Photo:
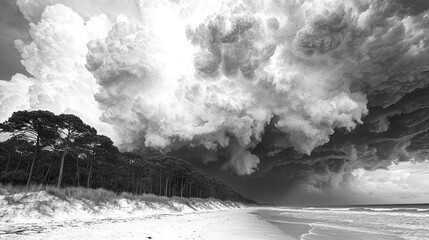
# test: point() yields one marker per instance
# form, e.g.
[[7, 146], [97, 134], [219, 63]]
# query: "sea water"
[[378, 222]]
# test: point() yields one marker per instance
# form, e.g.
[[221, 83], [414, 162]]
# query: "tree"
[[45, 137], [70, 129], [37, 127], [95, 147], [16, 151], [6, 154]]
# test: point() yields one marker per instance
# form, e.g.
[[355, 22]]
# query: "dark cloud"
[[12, 26], [292, 96], [399, 132]]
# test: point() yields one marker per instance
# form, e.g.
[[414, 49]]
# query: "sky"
[[288, 101]]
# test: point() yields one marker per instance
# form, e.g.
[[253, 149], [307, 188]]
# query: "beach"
[[219, 224], [245, 223], [50, 215]]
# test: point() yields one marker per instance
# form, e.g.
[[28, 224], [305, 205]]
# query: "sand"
[[41, 215], [234, 224]]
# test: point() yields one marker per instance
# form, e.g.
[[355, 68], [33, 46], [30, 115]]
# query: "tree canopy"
[[45, 148], [36, 127]]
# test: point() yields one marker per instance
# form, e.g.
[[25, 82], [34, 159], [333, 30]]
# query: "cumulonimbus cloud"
[[223, 77], [56, 57], [167, 74]]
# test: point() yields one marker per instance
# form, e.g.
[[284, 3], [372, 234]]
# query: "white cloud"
[[215, 73], [208, 80], [55, 57], [401, 183]]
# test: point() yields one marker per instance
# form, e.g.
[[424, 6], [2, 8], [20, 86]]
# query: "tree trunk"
[[88, 181], [60, 176], [160, 184], [34, 162], [47, 173], [136, 182], [173, 189], [77, 171], [166, 187], [7, 165], [101, 182], [16, 169], [128, 180], [28, 166], [182, 187], [8, 160]]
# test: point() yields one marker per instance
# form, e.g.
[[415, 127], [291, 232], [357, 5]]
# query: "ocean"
[[369, 222]]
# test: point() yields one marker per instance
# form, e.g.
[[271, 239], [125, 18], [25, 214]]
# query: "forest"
[[62, 151]]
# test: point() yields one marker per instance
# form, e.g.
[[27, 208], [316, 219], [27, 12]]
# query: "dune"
[[71, 214]]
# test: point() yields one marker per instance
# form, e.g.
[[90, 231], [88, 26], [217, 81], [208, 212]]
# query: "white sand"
[[40, 215], [235, 224]]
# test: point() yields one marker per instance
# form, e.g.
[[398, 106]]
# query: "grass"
[[13, 189], [93, 198], [145, 197], [71, 203], [22, 200], [96, 196]]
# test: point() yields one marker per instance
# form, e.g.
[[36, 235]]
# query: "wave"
[[391, 209], [370, 209], [355, 222], [405, 212]]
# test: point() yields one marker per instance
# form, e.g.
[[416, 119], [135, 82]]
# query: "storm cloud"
[[311, 91]]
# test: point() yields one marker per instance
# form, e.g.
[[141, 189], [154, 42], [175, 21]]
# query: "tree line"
[[62, 150]]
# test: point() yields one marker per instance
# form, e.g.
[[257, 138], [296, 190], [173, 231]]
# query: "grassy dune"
[[47, 203]]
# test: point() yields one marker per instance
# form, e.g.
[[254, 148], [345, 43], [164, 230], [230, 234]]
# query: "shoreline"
[[294, 231], [306, 227]]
